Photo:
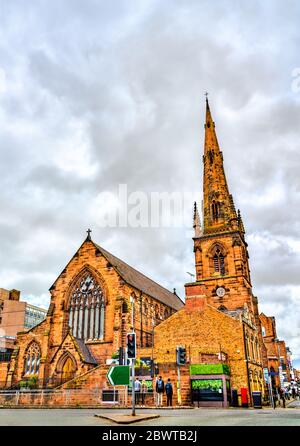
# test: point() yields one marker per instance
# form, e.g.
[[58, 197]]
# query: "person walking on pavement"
[[144, 390], [169, 392], [137, 390], [286, 394], [160, 387], [155, 392], [282, 397]]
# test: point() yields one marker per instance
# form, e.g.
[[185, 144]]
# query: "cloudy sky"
[[94, 94]]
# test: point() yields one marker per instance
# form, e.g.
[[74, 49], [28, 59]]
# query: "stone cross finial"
[[89, 234]]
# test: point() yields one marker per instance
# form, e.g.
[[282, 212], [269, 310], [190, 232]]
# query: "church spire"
[[219, 212], [211, 141]]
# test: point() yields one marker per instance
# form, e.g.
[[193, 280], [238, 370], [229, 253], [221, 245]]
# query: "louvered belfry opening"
[[215, 207], [87, 310], [219, 262]]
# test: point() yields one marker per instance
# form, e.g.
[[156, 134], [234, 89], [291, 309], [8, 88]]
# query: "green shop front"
[[210, 385]]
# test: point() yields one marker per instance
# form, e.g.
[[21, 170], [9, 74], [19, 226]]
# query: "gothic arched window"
[[32, 359], [86, 308], [219, 262]]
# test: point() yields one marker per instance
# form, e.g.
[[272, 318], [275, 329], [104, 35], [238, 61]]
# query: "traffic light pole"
[[179, 390], [133, 389], [180, 360]]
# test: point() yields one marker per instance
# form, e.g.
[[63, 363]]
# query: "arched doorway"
[[68, 370], [65, 368]]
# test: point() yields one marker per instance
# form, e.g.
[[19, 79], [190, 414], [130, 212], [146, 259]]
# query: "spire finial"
[[206, 98], [89, 234]]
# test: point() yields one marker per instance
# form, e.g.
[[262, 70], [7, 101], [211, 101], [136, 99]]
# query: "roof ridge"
[[127, 264], [111, 257]]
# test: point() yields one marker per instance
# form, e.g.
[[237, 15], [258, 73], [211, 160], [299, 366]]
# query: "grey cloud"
[[128, 78]]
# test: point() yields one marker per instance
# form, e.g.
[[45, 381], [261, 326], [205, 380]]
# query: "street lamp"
[[132, 360], [279, 366]]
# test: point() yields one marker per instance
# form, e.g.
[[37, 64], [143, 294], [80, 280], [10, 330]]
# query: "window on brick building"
[[32, 359], [86, 310]]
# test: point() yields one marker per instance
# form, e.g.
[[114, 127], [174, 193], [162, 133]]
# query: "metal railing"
[[95, 397]]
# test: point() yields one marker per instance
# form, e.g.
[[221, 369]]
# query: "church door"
[[68, 370]]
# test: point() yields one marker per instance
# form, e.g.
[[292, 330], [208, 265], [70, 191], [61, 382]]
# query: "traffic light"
[[180, 355], [131, 345]]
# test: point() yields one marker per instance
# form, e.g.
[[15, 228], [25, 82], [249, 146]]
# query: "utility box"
[[257, 400]]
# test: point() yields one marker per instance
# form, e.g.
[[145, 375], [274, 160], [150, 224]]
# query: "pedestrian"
[[144, 391], [160, 387], [286, 393], [293, 392], [169, 392], [155, 392], [137, 390], [282, 397]]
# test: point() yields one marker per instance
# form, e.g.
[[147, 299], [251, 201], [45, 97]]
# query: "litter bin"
[[257, 402]]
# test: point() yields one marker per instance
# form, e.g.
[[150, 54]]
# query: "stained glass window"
[[32, 359], [86, 317]]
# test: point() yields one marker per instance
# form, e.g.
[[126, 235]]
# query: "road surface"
[[175, 417]]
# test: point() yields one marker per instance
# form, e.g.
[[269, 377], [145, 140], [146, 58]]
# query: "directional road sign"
[[118, 375]]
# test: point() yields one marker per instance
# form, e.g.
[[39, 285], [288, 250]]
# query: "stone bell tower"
[[221, 255]]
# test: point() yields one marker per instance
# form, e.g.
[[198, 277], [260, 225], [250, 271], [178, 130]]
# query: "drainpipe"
[[141, 319]]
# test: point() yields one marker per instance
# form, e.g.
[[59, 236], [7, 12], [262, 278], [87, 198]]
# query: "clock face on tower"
[[220, 291]]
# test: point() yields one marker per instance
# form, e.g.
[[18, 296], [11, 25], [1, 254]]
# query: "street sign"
[[118, 375]]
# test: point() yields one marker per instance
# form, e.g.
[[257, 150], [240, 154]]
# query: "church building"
[[88, 318], [219, 326]]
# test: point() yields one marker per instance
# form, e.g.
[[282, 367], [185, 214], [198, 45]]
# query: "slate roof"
[[142, 282], [85, 351]]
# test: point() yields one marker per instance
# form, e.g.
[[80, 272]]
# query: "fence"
[[108, 397]]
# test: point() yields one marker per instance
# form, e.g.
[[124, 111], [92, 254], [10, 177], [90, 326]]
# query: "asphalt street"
[[176, 417]]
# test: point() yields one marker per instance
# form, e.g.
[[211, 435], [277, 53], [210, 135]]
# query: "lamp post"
[[153, 325], [152, 361], [132, 360], [279, 366]]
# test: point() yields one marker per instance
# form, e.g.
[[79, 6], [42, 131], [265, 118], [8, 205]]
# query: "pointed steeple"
[[219, 212], [196, 222], [211, 141]]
